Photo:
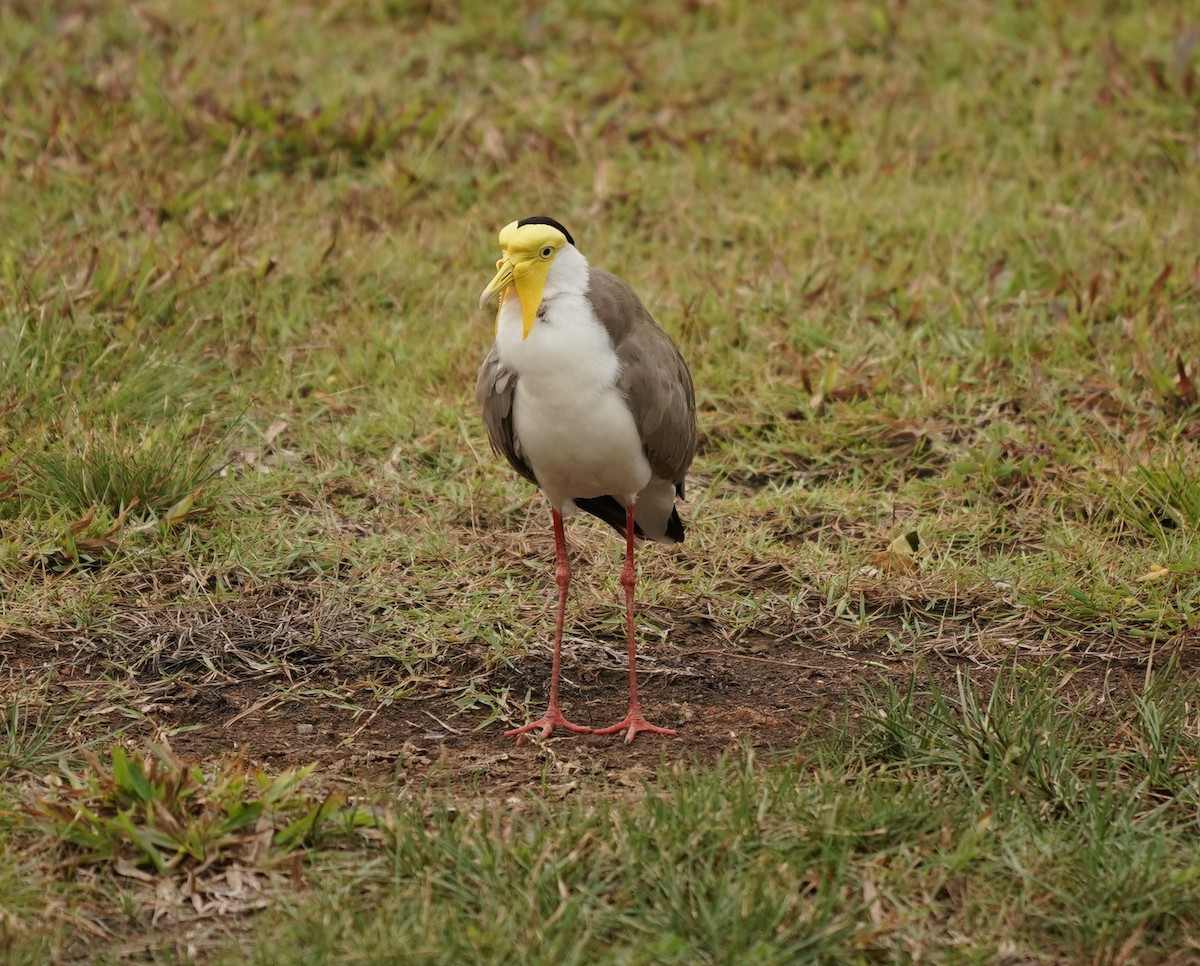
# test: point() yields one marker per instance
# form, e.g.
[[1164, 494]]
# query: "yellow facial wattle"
[[528, 252], [529, 279]]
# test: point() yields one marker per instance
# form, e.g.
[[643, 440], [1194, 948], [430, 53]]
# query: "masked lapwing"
[[590, 400]]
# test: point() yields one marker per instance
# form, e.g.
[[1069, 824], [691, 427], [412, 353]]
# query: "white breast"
[[572, 423]]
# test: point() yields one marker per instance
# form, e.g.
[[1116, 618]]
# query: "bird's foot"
[[635, 724], [553, 718]]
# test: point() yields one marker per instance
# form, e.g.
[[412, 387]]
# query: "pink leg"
[[562, 576], [633, 721]]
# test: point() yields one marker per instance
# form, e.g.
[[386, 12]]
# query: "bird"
[[588, 399]]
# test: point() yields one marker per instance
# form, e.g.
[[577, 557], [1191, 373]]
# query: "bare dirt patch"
[[283, 677]]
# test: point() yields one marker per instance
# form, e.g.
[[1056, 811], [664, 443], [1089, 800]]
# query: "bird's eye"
[[547, 252]]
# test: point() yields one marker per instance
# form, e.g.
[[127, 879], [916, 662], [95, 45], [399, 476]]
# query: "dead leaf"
[[493, 141], [1156, 287], [274, 430], [77, 527], [891, 562], [128, 869], [96, 544], [259, 843], [1129, 948], [334, 402], [871, 898], [600, 186], [1187, 388], [898, 558]]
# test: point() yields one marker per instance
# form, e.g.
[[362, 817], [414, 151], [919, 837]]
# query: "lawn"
[[268, 601]]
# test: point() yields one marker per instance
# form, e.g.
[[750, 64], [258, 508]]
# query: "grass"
[[933, 269], [982, 823], [155, 811], [1018, 820]]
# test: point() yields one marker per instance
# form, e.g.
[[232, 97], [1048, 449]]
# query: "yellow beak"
[[503, 279], [528, 277]]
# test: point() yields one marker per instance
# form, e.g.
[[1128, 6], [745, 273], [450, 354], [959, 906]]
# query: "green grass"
[[158, 813], [1026, 818], [934, 269], [969, 825]]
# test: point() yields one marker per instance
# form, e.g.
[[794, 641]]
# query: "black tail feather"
[[610, 510], [675, 526]]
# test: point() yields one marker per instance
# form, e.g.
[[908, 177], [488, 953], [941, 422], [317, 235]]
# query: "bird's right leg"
[[633, 723], [562, 576]]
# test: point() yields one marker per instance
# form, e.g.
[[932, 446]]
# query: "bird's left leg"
[[633, 721], [562, 576]]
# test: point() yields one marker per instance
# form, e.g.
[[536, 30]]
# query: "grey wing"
[[654, 378], [494, 391], [656, 381]]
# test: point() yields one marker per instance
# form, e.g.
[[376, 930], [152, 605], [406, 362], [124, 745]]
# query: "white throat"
[[566, 340]]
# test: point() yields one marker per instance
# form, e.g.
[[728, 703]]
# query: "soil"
[[717, 702], [252, 677]]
